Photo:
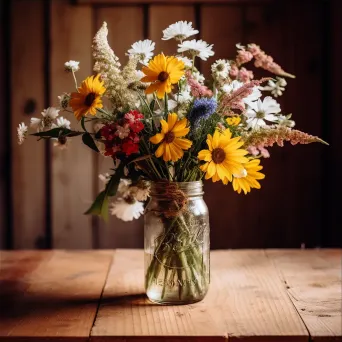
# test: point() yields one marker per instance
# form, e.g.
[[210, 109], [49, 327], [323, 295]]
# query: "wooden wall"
[[50, 189]]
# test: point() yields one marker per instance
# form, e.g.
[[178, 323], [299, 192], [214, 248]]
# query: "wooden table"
[[255, 295]]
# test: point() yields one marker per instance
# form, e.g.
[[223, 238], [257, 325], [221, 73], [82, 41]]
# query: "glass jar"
[[177, 244]]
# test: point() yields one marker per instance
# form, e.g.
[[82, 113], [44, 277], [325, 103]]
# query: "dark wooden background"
[[43, 191]]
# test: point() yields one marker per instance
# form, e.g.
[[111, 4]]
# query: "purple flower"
[[202, 109]]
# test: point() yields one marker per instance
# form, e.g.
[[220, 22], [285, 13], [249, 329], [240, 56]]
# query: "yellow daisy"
[[247, 179], [162, 72], [224, 156], [88, 97], [170, 137], [233, 120]]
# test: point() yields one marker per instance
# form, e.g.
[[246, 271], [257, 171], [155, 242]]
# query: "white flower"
[[104, 178], [122, 131], [239, 46], [276, 88], [187, 61], [229, 88], [61, 123], [49, 115], [184, 96], [139, 75], [198, 48], [220, 69], [125, 210], [180, 30], [198, 77], [171, 104], [72, 66], [62, 142], [260, 111], [123, 187], [242, 174], [143, 49], [22, 131], [64, 100], [285, 121], [235, 85]]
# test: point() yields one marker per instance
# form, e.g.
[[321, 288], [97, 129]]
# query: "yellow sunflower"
[[170, 137], [162, 72], [88, 97], [247, 179], [224, 156], [233, 120]]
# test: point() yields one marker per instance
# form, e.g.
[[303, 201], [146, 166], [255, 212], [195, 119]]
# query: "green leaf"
[[82, 124], [152, 104], [100, 205], [89, 141], [53, 133]]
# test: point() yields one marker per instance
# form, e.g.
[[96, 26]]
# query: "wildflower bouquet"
[[160, 121]]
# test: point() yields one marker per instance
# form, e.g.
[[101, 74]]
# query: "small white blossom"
[[72, 66], [259, 111], [187, 61], [122, 132], [197, 76], [180, 30], [143, 49], [61, 123], [235, 85], [184, 96], [242, 174], [220, 69], [48, 116], [198, 48], [276, 88], [64, 100], [104, 178], [62, 142], [127, 210], [239, 46], [285, 121], [22, 131]]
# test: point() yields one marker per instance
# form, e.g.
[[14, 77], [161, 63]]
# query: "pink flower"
[[197, 89], [243, 57], [234, 71], [245, 75]]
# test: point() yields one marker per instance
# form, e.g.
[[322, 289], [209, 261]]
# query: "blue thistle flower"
[[202, 109]]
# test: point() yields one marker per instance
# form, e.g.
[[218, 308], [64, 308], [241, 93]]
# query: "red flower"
[[137, 126], [129, 147]]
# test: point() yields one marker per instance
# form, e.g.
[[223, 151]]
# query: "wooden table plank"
[[246, 302], [313, 281], [52, 295]]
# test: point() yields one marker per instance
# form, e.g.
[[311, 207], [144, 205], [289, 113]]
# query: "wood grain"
[[72, 169], [50, 295], [246, 302], [162, 2], [116, 233], [313, 282], [27, 100]]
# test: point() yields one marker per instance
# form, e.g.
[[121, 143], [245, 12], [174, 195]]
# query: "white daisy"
[[276, 88], [61, 123], [72, 66], [220, 69], [180, 30], [143, 49], [230, 87], [22, 131], [198, 48], [64, 100], [259, 111], [127, 210], [122, 132]]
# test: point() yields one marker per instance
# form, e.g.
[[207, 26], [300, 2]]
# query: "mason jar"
[[177, 244]]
